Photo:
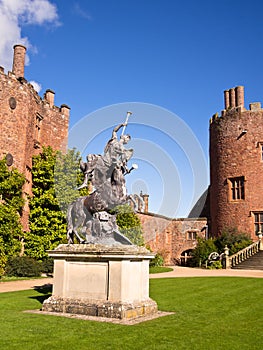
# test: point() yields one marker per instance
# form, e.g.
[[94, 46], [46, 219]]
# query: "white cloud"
[[36, 85], [80, 12], [16, 13]]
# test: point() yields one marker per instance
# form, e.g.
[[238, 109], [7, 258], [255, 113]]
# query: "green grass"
[[210, 314], [160, 269], [13, 278]]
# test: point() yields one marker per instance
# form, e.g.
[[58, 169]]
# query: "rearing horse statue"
[[90, 216]]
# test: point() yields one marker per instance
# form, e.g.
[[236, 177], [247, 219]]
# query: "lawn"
[[160, 269], [210, 313]]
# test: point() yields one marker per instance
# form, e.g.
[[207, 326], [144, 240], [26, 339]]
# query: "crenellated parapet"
[[236, 160], [234, 104], [28, 121]]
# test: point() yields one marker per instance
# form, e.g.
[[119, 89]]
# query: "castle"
[[28, 122], [236, 164]]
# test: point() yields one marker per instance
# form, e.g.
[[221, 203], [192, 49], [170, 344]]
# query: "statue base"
[[99, 280]]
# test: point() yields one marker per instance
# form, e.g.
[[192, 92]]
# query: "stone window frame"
[[261, 151], [260, 146], [236, 186], [191, 235], [258, 221], [37, 131]]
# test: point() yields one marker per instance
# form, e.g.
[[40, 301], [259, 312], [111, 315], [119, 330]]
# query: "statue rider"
[[88, 168]]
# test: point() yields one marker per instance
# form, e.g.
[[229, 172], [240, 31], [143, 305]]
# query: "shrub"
[[129, 224], [157, 260], [234, 239], [23, 267], [202, 251], [48, 265], [215, 265]]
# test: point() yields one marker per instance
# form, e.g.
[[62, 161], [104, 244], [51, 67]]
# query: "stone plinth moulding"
[[99, 280]]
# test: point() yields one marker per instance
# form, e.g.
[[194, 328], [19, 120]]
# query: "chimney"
[[226, 96], [19, 61], [49, 97], [65, 110], [240, 96], [232, 99], [145, 198]]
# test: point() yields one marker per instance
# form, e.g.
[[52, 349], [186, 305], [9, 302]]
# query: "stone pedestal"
[[98, 280]]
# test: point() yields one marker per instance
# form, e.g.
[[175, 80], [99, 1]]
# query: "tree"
[[11, 184], [202, 251], [55, 179], [11, 204], [67, 177], [129, 224]]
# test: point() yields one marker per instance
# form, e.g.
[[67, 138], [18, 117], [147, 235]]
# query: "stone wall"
[[171, 237], [27, 121], [236, 139]]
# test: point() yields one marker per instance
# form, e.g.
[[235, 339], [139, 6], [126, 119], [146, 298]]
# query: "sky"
[[168, 61]]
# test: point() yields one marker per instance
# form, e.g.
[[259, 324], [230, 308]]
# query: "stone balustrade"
[[244, 254]]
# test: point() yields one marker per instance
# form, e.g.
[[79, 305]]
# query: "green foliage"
[[67, 177], [231, 237], [47, 222], [55, 179], [47, 265], [11, 203], [215, 265], [157, 260], [11, 183], [23, 267], [234, 239], [129, 224], [10, 229], [3, 257], [202, 251]]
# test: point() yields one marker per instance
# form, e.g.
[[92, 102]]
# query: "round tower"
[[236, 166]]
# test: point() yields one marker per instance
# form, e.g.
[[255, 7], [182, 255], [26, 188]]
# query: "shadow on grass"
[[45, 291]]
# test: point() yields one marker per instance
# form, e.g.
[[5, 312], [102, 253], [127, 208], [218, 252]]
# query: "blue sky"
[[176, 55]]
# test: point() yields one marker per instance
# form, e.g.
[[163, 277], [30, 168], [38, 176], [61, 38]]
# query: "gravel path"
[[23, 285], [178, 271]]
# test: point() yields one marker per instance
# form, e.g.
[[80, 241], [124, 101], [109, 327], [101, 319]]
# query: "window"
[[260, 146], [258, 222], [237, 188], [191, 235], [38, 121], [37, 126]]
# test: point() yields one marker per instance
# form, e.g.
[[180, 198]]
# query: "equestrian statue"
[[90, 218]]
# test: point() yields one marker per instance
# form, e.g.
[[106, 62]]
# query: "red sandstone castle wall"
[[170, 237], [27, 121], [235, 150]]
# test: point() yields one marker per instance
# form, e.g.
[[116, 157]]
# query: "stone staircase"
[[249, 258], [254, 262]]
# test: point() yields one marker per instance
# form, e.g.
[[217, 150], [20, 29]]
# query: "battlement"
[[234, 104], [17, 76]]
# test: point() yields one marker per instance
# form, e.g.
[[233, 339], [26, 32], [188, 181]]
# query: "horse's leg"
[[70, 236], [80, 239], [79, 222], [70, 233]]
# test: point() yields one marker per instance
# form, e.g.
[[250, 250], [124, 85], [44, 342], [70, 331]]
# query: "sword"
[[126, 121]]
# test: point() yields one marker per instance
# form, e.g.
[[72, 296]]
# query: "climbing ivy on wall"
[[11, 204]]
